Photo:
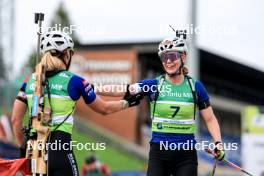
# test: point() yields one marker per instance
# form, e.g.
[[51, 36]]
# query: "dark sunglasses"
[[172, 56]]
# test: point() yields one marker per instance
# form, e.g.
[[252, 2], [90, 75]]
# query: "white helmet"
[[172, 44], [55, 40]]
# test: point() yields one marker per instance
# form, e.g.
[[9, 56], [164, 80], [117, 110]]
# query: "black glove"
[[219, 151], [23, 149], [134, 99]]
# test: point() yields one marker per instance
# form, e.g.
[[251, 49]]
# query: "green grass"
[[116, 160]]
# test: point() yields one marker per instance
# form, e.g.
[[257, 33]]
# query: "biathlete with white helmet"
[[174, 98], [63, 90]]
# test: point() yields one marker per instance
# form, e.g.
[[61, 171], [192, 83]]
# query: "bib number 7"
[[177, 108]]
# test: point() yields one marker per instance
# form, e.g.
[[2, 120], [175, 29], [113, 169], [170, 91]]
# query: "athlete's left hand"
[[219, 151]]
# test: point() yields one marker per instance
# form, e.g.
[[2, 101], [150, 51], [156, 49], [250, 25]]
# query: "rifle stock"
[[36, 147], [38, 130]]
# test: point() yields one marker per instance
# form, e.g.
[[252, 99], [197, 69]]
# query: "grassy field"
[[116, 160]]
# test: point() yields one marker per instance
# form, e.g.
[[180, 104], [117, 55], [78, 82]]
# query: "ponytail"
[[51, 62], [185, 70]]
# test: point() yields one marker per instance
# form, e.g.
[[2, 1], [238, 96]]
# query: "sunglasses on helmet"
[[172, 56]]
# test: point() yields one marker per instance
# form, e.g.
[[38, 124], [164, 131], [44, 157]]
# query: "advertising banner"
[[253, 140]]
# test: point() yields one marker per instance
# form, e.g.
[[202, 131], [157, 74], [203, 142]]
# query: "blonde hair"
[[185, 70], [51, 62]]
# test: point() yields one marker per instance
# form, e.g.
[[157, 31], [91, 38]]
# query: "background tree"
[[2, 66], [61, 18]]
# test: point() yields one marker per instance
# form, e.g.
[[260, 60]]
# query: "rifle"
[[38, 129]]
